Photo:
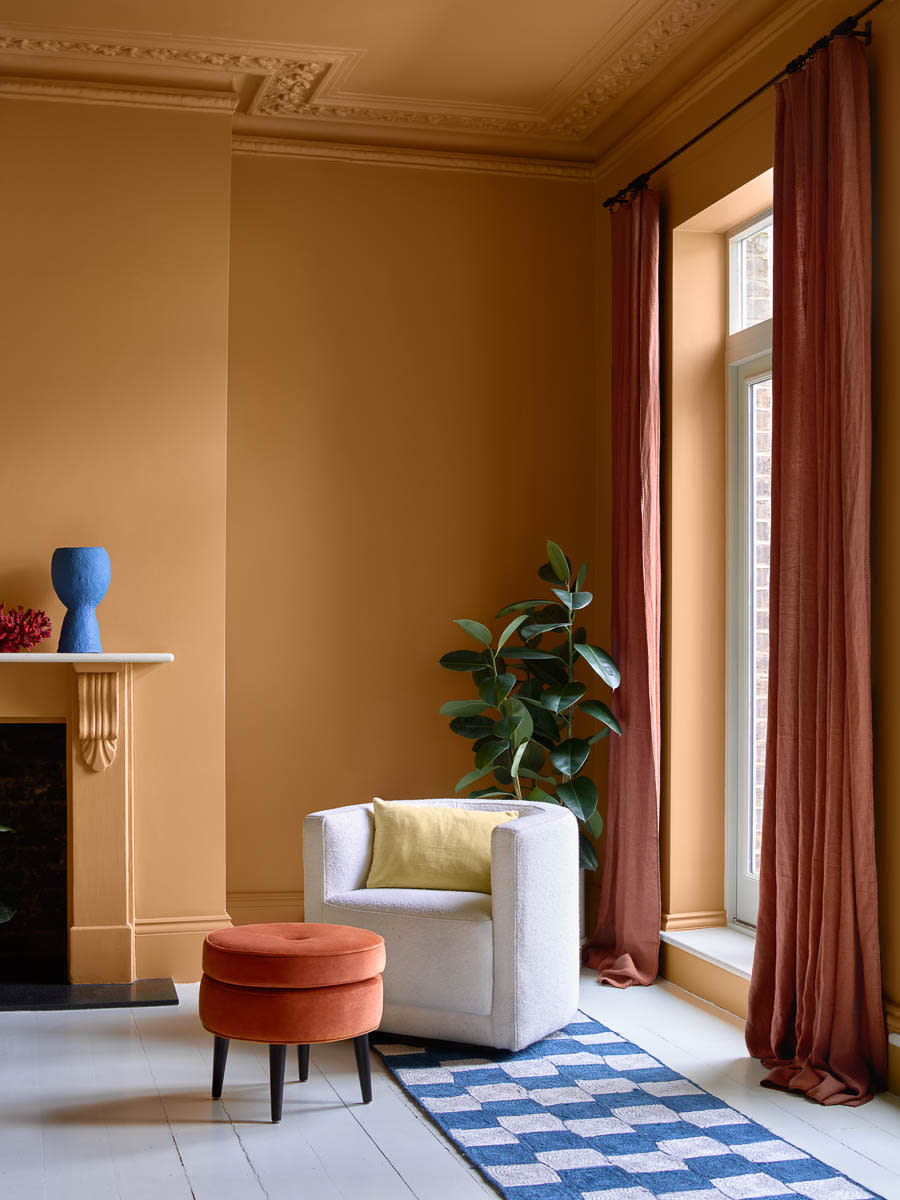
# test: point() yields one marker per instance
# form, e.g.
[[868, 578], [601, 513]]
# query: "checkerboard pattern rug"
[[587, 1115]]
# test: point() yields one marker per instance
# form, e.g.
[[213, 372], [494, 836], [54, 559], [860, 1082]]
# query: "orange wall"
[[411, 415], [738, 151], [114, 310]]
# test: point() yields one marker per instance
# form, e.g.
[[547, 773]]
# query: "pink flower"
[[22, 629]]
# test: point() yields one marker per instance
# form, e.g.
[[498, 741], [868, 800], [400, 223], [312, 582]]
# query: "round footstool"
[[291, 984]]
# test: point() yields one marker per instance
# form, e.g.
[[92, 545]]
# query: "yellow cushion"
[[433, 846]]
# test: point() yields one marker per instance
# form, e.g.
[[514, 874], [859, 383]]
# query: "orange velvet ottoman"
[[291, 984]]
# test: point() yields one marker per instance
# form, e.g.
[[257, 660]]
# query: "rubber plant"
[[528, 724], [7, 910]]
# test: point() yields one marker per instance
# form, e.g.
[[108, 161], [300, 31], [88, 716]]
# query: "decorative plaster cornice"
[[117, 93], [706, 82], [394, 156], [307, 83], [582, 114]]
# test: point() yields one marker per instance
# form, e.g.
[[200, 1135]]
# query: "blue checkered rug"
[[587, 1115]]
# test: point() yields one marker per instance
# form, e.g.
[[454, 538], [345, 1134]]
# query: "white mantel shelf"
[[123, 656]]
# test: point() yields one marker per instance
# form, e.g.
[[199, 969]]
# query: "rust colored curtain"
[[815, 1015], [625, 946]]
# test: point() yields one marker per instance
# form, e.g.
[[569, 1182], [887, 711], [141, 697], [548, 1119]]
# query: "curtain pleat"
[[815, 1010], [625, 947]]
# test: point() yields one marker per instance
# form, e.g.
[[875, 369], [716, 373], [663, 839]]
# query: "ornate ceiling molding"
[[307, 83], [114, 93], [582, 114], [393, 156]]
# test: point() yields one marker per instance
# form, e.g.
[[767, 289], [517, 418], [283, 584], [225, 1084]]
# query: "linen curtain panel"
[[625, 946], [815, 1015]]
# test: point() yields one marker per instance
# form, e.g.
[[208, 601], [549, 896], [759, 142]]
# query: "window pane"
[[761, 418], [751, 273]]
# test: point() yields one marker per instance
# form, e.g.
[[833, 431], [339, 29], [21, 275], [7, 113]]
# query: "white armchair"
[[495, 970]]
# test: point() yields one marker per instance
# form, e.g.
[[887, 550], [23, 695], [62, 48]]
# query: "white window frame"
[[748, 360], [735, 275]]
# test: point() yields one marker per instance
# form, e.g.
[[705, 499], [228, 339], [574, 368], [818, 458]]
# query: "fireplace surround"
[[94, 695]]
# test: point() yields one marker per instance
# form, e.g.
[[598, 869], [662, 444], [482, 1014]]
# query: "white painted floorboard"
[[114, 1105]]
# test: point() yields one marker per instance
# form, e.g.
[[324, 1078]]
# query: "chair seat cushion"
[[293, 954], [441, 944]]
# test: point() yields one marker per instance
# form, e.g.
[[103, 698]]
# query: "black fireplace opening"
[[33, 857]]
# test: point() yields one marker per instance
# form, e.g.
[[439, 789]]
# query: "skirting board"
[[173, 945], [256, 908]]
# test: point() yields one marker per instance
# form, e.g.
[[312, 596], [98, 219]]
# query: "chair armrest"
[[535, 883], [337, 854]]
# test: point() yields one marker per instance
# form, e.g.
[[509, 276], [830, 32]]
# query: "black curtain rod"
[[846, 28]]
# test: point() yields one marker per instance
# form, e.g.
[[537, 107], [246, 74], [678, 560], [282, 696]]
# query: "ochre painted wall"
[[114, 316], [735, 153], [411, 414]]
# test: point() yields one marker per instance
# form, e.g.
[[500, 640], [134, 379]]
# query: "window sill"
[[726, 946]]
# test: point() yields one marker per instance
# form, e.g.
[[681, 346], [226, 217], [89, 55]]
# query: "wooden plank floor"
[[115, 1104]]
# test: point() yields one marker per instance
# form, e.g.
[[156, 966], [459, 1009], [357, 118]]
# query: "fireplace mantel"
[[97, 704], [116, 656]]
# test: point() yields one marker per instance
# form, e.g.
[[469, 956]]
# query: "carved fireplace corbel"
[[98, 717]]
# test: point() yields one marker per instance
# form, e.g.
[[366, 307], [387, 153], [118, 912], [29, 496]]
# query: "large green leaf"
[[598, 737], [600, 712], [463, 708], [594, 825], [534, 758], [463, 660], [471, 777], [519, 606], [495, 689], [490, 794], [580, 796], [6, 829], [580, 577], [587, 855], [526, 774], [599, 661], [510, 630], [553, 673], [573, 600], [490, 749], [519, 716], [544, 722], [539, 796], [7, 912], [517, 759], [472, 727], [479, 632], [526, 653], [531, 631], [570, 756], [562, 568], [559, 699]]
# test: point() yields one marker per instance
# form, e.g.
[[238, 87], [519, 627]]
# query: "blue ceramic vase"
[[80, 576]]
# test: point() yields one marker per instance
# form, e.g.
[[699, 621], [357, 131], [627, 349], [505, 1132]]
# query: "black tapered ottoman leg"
[[303, 1062], [361, 1046], [277, 1056], [220, 1053]]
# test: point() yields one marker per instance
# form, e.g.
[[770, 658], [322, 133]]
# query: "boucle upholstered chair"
[[494, 970]]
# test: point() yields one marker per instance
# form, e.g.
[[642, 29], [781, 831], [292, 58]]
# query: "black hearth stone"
[[52, 997]]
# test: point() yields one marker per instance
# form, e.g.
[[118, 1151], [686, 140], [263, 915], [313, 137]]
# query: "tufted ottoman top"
[[292, 954]]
